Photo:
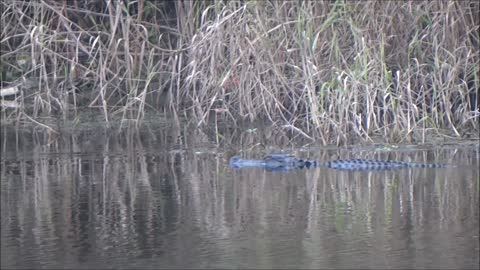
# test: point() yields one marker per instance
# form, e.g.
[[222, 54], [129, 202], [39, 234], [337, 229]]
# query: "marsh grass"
[[334, 71]]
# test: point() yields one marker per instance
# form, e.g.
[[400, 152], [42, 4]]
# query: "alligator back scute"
[[307, 164]]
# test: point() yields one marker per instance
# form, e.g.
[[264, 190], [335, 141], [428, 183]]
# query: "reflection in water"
[[152, 200]]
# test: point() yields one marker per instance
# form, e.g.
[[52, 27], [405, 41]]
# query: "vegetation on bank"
[[335, 71]]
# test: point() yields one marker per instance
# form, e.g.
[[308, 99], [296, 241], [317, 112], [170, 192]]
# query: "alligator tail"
[[427, 165], [364, 164]]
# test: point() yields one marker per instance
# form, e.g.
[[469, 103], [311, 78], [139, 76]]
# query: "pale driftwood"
[[9, 91], [9, 104]]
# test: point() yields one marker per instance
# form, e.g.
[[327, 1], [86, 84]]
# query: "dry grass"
[[337, 72]]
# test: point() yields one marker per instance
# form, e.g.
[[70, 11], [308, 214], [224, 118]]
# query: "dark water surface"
[[167, 199]]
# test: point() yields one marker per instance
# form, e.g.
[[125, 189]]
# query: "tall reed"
[[336, 71]]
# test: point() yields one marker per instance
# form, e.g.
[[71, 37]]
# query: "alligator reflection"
[[137, 200]]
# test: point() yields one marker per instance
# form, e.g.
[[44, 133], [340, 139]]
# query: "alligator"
[[285, 162]]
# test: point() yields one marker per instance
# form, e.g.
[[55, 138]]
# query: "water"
[[167, 199]]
